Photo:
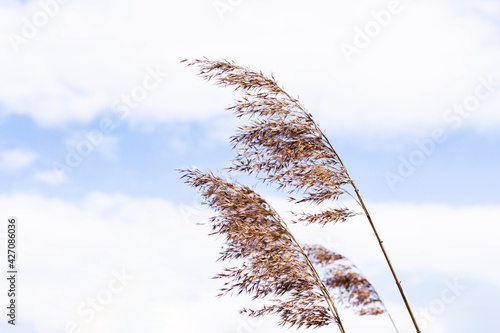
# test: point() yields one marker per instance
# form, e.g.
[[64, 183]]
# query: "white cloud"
[[50, 177], [71, 252], [449, 240], [80, 63], [16, 159]]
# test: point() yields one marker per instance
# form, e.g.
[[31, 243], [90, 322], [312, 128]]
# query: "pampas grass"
[[282, 145]]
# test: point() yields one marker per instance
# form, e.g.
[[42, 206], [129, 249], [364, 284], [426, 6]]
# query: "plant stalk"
[[324, 290], [380, 242], [363, 206], [322, 287]]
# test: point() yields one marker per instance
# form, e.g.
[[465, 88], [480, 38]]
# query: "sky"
[[97, 112]]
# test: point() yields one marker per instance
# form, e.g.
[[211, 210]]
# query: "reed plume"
[[273, 265], [283, 145], [341, 275]]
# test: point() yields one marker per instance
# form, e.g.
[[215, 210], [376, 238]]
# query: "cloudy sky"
[[97, 112]]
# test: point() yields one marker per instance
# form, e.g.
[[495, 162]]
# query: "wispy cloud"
[[16, 159], [50, 177]]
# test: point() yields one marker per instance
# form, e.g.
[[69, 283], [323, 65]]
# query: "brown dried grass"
[[343, 277], [273, 264], [284, 146]]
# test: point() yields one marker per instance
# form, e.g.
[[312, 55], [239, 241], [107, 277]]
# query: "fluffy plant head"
[[342, 277], [273, 265], [281, 144]]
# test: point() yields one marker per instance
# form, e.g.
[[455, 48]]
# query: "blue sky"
[[97, 112], [459, 171]]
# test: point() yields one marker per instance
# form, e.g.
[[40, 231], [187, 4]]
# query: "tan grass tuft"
[[283, 145], [273, 264], [343, 277]]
